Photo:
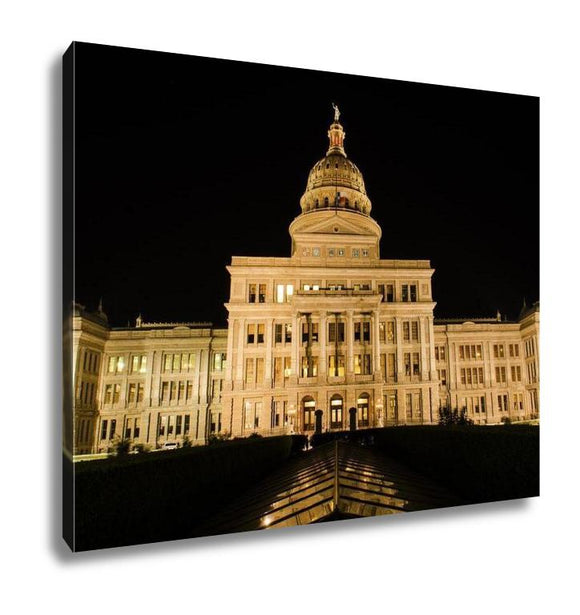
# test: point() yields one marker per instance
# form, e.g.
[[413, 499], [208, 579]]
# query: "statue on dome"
[[336, 112]]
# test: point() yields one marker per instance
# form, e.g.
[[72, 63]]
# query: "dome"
[[335, 181]]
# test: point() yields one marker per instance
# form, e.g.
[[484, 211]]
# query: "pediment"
[[337, 226]]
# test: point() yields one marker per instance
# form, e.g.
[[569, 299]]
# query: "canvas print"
[[291, 296]]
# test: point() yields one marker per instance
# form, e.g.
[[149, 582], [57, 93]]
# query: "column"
[[376, 344], [322, 358], [424, 340], [269, 346], [399, 356], [239, 370], [349, 344], [296, 336]]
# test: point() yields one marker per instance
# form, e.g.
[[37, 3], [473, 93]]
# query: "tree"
[[448, 417]]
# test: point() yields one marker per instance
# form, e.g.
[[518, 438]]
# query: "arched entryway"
[[336, 412], [362, 410], [308, 408]]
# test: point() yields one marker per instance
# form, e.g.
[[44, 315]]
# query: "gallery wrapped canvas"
[[291, 296]]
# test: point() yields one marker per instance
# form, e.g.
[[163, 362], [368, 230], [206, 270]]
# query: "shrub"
[[448, 417], [122, 447]]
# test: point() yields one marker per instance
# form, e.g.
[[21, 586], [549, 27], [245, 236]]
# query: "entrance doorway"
[[362, 410], [308, 407]]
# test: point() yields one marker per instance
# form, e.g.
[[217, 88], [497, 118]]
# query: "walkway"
[[335, 481]]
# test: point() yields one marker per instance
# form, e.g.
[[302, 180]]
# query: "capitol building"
[[331, 337]]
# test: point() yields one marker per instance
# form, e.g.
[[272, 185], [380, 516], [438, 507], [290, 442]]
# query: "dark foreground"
[[195, 492]]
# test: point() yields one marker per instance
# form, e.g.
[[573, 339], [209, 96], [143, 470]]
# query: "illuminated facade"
[[332, 337]]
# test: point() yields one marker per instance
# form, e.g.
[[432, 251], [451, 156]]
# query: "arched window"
[[346, 203], [362, 410], [336, 405], [317, 205], [308, 408], [326, 201]]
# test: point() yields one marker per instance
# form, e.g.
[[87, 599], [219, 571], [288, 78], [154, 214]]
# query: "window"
[[416, 366], [340, 251], [189, 390], [514, 350], [414, 331], [331, 252], [390, 293], [261, 333], [251, 293], [365, 253], [259, 370], [362, 364], [409, 292], [500, 374], [173, 390], [219, 360], [116, 365], [178, 423], [355, 252], [251, 333], [113, 429], [250, 373], [336, 331], [116, 393], [406, 328], [336, 366], [287, 333], [502, 403], [132, 392], [516, 373], [277, 334], [104, 426], [284, 293], [390, 332], [362, 410], [315, 251], [181, 391], [309, 332], [336, 405], [138, 364], [280, 373], [309, 367], [440, 353], [382, 332], [165, 391], [391, 365], [178, 362], [308, 405], [442, 376], [498, 351], [261, 293], [407, 363], [186, 424]]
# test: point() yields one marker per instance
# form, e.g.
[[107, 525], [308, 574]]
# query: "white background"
[[507, 557]]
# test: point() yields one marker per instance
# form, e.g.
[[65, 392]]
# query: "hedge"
[[164, 495]]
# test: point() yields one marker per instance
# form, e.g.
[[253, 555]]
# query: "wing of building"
[[332, 335]]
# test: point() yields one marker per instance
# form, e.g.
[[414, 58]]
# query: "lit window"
[[262, 293], [365, 253], [252, 293], [315, 251], [355, 252], [340, 251]]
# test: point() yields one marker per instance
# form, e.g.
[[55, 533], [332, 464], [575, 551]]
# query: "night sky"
[[183, 162]]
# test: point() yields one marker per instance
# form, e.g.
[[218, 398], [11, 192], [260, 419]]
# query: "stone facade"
[[156, 384], [332, 334]]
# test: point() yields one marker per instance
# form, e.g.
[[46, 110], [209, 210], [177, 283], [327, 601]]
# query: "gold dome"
[[335, 181]]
